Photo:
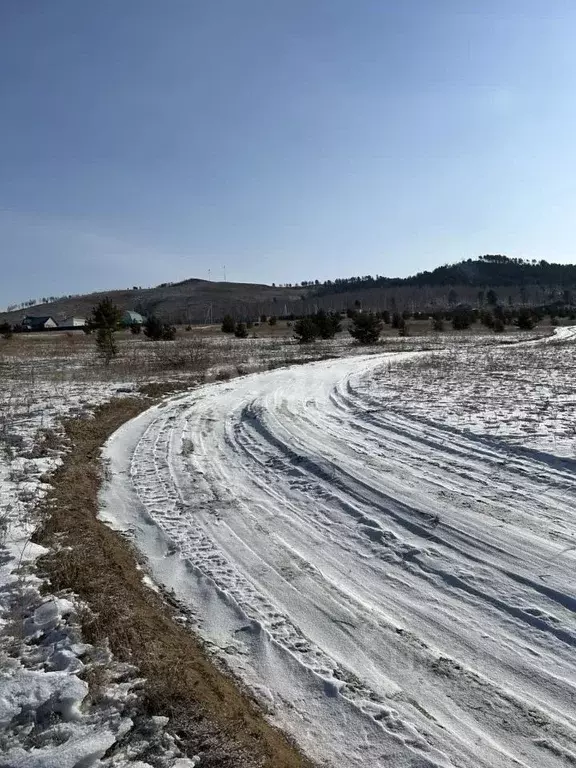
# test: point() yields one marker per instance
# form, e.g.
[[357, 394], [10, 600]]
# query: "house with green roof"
[[132, 318]]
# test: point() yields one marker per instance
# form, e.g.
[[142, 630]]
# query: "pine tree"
[[228, 324], [241, 332], [462, 319], [305, 330], [106, 344], [328, 324], [105, 320], [525, 320], [366, 328], [156, 330], [105, 315], [153, 328], [492, 298]]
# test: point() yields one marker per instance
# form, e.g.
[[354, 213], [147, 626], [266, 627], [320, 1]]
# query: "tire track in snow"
[[381, 553]]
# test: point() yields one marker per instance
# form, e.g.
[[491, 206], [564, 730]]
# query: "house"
[[44, 323], [72, 322], [132, 318]]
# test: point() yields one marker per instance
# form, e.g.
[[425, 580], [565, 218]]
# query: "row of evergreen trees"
[[366, 327]]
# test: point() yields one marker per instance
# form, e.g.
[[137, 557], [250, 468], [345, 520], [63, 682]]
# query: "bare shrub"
[[189, 354]]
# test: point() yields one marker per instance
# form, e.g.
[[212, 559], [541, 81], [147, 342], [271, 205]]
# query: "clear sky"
[[143, 141]]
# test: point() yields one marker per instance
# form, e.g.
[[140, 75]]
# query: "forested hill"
[[484, 272], [491, 279]]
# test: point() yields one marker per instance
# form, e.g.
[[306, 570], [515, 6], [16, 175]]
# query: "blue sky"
[[145, 140]]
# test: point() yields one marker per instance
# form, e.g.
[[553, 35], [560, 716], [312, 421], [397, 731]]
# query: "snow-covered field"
[[522, 393], [382, 547], [49, 717]]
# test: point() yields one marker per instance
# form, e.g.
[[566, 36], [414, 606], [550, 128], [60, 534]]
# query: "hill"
[[190, 301], [489, 279], [486, 271]]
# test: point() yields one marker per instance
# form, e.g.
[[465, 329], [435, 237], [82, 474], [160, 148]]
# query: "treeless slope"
[[191, 301]]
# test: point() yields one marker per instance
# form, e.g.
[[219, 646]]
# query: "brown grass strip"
[[207, 710]]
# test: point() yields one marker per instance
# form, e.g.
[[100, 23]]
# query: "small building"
[[132, 318], [43, 323], [72, 322]]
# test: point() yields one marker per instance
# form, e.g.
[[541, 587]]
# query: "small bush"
[[462, 319], [6, 330], [525, 320], [241, 332], [438, 323], [487, 319], [168, 333], [135, 328], [228, 324], [156, 330]]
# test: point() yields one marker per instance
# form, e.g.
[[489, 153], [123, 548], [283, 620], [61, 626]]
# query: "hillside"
[[473, 281], [492, 279], [190, 301]]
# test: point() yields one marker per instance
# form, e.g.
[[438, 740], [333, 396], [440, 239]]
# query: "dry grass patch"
[[208, 711]]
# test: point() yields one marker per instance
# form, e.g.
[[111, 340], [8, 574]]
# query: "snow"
[[360, 541], [48, 718]]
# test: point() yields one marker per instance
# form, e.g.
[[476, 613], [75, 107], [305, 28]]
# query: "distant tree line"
[[485, 271]]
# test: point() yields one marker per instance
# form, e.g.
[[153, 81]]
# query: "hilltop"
[[489, 270], [493, 278], [189, 301]]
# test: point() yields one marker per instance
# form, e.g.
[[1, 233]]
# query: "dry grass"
[[208, 711]]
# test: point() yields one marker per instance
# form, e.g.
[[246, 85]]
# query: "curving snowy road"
[[397, 593]]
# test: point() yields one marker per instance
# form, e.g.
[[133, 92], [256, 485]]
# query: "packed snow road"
[[397, 593]]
